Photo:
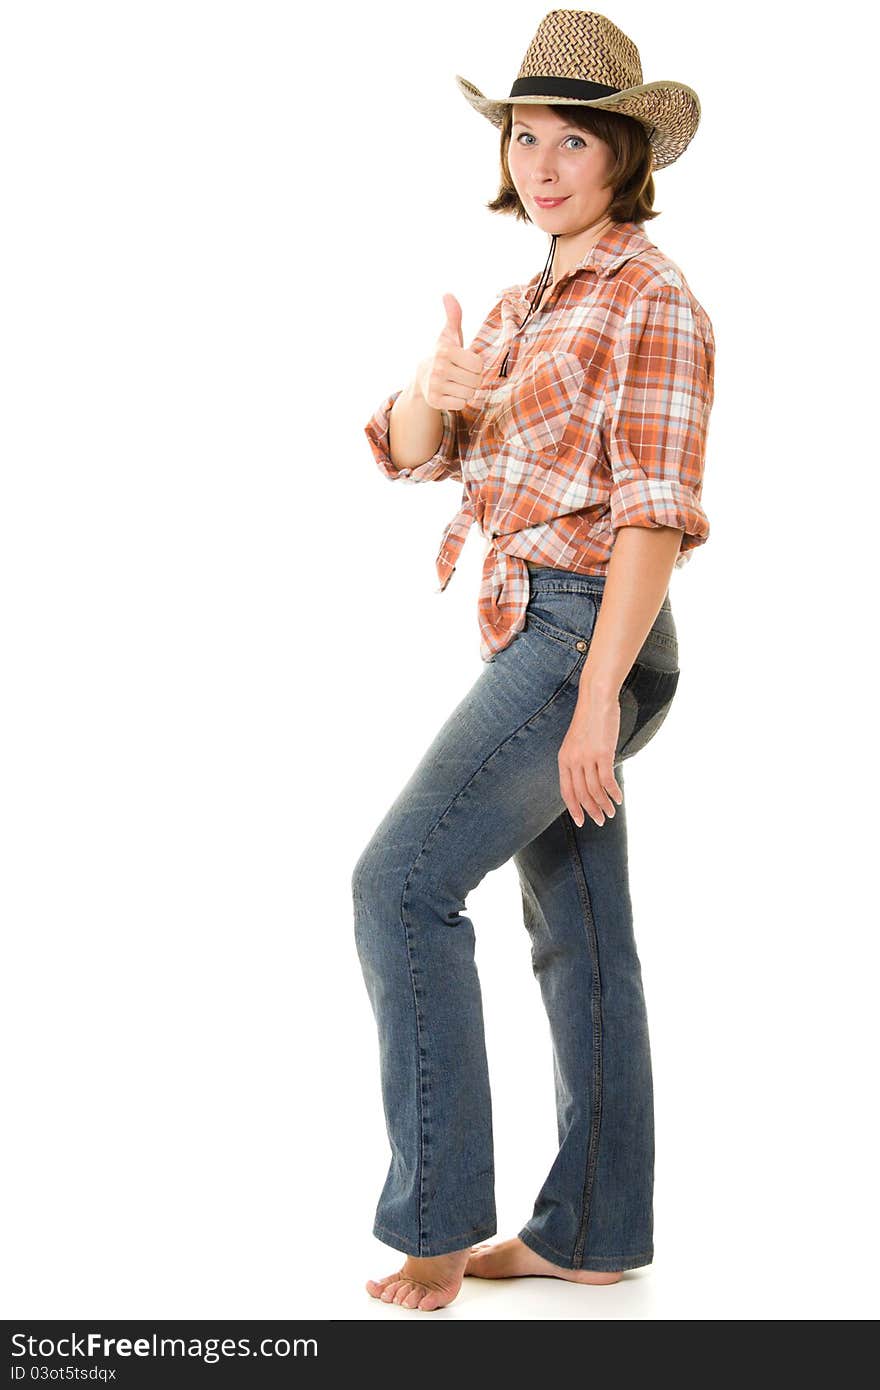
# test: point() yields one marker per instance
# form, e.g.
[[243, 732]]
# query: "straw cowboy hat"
[[579, 58]]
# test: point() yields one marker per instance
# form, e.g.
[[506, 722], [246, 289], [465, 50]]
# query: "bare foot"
[[426, 1283], [510, 1259]]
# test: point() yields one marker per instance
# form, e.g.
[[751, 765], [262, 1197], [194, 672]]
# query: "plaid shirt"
[[601, 423]]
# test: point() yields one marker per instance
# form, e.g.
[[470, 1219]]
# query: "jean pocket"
[[567, 615], [645, 700]]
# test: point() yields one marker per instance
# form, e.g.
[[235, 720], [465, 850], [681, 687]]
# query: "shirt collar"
[[619, 243]]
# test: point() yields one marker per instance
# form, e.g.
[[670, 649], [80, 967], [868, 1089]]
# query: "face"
[[550, 158]]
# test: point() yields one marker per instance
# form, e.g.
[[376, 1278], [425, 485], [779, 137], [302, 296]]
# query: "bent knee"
[[378, 877]]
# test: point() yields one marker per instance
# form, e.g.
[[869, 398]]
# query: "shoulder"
[[660, 328], [651, 283], [643, 301]]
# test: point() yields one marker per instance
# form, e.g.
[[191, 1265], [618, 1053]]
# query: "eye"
[[527, 135]]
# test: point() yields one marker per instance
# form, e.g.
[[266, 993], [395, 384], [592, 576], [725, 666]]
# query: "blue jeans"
[[487, 791]]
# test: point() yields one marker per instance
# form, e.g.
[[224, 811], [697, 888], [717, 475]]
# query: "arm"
[[636, 584], [424, 440], [658, 398], [659, 395], [414, 441]]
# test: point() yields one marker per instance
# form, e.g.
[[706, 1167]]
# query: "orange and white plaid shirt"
[[600, 423]]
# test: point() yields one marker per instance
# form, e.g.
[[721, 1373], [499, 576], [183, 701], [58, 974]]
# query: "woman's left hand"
[[586, 757]]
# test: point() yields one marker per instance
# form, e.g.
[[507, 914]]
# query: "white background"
[[227, 231]]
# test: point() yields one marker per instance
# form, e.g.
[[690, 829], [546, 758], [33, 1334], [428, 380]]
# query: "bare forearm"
[[415, 429], [636, 583]]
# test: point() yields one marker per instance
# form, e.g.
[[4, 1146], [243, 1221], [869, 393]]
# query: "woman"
[[576, 422]]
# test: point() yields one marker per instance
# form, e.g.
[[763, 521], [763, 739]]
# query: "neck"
[[572, 247]]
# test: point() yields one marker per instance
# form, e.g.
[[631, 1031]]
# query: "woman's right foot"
[[511, 1259]]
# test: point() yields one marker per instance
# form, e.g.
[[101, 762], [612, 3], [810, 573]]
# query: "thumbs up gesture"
[[451, 376]]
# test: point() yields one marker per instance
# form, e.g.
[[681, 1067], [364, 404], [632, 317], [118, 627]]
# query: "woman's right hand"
[[451, 376]]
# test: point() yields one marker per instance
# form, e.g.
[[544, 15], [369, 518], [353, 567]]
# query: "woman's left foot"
[[511, 1259], [427, 1283]]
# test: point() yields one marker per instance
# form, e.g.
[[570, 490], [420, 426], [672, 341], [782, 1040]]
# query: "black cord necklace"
[[538, 292]]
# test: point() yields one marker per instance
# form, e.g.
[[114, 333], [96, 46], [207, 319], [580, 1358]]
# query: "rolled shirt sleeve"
[[445, 463], [658, 400]]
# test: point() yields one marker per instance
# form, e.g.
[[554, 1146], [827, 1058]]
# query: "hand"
[[451, 376], [586, 758]]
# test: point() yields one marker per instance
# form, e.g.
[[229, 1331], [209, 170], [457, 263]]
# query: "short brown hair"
[[631, 178]]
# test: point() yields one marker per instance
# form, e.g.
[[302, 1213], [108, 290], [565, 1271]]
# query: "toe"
[[403, 1290], [375, 1287]]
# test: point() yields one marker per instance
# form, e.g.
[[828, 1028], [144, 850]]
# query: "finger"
[[467, 359], [596, 787], [451, 373], [566, 787], [453, 395], [448, 402], [585, 796], [452, 327], [609, 781], [458, 366]]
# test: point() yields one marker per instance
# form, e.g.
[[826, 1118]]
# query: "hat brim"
[[669, 110]]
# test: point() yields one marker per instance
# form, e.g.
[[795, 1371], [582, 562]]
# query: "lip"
[[549, 202]]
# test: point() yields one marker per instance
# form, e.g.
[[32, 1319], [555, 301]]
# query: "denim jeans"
[[487, 791]]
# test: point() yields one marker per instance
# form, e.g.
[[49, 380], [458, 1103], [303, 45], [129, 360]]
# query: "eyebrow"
[[563, 127]]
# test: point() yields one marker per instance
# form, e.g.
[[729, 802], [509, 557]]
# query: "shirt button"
[[581, 645]]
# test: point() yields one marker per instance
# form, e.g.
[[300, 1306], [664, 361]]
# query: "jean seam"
[[456, 1235], [544, 586], [421, 1077], [605, 1259], [596, 1010], [560, 688]]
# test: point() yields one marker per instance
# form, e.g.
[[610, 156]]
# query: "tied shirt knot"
[[504, 587]]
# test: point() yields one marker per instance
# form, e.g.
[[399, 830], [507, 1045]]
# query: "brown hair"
[[631, 178]]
